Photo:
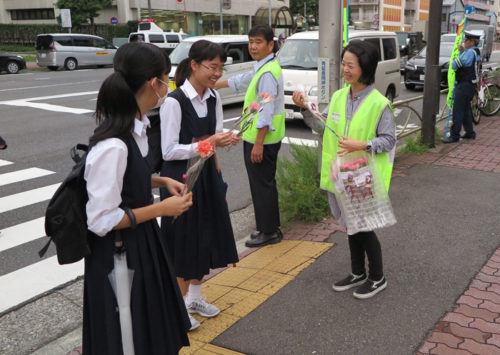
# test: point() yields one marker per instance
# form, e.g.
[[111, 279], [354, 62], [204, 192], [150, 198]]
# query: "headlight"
[[313, 91], [410, 66]]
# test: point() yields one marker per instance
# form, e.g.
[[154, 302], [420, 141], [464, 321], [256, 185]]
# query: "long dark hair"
[[200, 50], [116, 108]]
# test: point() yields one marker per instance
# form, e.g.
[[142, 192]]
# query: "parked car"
[[415, 67], [149, 32], [72, 50], [238, 60], [11, 63], [299, 60]]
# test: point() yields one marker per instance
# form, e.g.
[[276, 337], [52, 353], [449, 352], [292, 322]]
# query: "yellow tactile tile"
[[259, 280], [310, 249], [286, 263], [275, 286], [232, 277], [298, 269], [212, 327], [231, 298], [267, 254], [220, 351], [213, 292], [246, 305], [194, 345]]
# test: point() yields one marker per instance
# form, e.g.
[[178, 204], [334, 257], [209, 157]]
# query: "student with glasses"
[[201, 239]]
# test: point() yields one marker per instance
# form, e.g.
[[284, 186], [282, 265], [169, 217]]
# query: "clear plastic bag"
[[361, 193]]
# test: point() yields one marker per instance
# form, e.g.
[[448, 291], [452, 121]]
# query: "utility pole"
[[221, 20], [270, 17], [432, 74], [149, 9]]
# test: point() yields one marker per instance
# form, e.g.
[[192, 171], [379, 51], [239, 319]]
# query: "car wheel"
[[70, 64], [390, 94], [12, 67], [53, 67], [410, 86]]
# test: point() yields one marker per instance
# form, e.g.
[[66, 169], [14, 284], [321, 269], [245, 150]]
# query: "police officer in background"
[[262, 141], [467, 68]]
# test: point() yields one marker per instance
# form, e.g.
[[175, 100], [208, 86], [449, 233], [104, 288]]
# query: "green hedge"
[[26, 34]]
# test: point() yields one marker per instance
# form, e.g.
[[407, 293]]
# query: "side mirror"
[[229, 60]]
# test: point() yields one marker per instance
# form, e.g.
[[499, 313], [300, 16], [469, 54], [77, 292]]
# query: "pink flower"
[[205, 149], [254, 106]]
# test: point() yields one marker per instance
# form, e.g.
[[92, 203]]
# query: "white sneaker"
[[194, 323], [202, 307]]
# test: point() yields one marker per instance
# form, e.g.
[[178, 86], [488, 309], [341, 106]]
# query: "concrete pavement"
[[442, 263]]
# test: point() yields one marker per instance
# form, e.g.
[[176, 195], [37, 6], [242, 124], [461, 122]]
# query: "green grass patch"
[[15, 48], [414, 146], [300, 197], [29, 58]]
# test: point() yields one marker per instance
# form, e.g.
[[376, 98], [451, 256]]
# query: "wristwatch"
[[368, 146]]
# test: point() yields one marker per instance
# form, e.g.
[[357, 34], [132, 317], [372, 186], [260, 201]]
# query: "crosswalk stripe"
[[21, 233], [24, 284], [5, 162], [300, 141], [21, 175], [26, 198], [48, 107]]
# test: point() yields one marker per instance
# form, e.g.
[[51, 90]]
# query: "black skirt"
[[201, 238], [159, 317]]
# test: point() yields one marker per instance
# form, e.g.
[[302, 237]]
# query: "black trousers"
[[366, 242], [262, 179], [462, 111]]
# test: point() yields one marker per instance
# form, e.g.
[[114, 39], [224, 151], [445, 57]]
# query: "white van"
[[238, 60], [72, 50], [299, 60], [149, 32]]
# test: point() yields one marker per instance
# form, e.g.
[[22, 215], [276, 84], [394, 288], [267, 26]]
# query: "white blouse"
[[104, 171], [171, 116]]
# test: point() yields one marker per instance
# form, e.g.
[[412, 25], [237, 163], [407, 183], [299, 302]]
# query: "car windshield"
[[445, 50], [299, 54], [180, 52]]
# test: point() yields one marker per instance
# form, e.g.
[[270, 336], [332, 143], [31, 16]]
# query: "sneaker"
[[194, 322], [349, 282], [202, 307], [370, 288]]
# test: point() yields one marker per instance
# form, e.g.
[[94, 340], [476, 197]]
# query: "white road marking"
[[24, 284], [27, 198], [46, 86], [48, 107], [5, 162], [22, 233], [21, 175]]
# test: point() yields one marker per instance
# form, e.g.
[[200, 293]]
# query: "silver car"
[[72, 50]]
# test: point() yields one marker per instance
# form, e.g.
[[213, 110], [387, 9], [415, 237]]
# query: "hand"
[[175, 187], [176, 205], [298, 99], [461, 48], [235, 139], [257, 153], [349, 145], [222, 139]]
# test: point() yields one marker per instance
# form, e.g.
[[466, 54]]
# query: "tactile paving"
[[246, 305], [259, 280], [220, 351], [232, 276], [285, 263], [298, 269], [275, 286], [212, 327], [213, 292], [309, 249]]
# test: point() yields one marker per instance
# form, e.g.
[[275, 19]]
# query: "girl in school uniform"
[[201, 239], [119, 186]]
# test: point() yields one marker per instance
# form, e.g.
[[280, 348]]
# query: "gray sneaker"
[[194, 323], [202, 307]]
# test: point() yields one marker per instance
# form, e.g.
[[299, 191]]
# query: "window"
[[100, 43], [376, 43], [64, 40], [389, 45], [156, 38], [172, 38], [32, 14], [239, 52], [80, 41]]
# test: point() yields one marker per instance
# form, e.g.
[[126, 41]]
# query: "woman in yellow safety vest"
[[365, 119]]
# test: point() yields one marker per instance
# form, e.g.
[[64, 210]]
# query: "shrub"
[[298, 186]]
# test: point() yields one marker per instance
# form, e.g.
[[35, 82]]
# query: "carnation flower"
[[205, 148]]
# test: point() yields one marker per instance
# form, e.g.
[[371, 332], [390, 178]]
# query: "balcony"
[[363, 2]]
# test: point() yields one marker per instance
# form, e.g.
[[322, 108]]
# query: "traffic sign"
[[113, 20]]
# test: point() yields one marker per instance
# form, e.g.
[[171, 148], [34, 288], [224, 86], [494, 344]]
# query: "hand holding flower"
[[299, 99], [349, 145], [175, 187]]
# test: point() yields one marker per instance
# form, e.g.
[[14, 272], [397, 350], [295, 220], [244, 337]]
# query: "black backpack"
[[155, 157], [66, 217]]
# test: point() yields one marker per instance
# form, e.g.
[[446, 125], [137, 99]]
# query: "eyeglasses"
[[213, 70]]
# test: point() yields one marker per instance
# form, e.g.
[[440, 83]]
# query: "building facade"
[[193, 16]]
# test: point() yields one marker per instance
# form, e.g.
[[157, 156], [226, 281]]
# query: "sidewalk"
[[442, 263]]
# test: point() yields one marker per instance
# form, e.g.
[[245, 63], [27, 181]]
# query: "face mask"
[[161, 100]]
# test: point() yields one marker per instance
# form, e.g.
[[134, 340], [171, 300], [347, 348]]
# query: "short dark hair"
[[263, 31], [367, 55]]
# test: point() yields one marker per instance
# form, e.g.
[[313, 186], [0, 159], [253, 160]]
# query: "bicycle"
[[486, 99]]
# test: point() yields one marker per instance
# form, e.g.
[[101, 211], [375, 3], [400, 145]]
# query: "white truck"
[[149, 32], [487, 37]]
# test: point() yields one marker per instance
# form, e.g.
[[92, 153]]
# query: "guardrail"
[[405, 104]]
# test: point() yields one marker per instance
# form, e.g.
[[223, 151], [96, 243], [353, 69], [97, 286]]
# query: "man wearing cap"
[[467, 67]]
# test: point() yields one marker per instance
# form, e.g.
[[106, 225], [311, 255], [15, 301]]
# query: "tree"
[[297, 7], [84, 11]]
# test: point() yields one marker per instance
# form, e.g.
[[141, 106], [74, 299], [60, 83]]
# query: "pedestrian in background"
[[201, 239], [365, 118], [262, 141], [467, 73], [119, 187]]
